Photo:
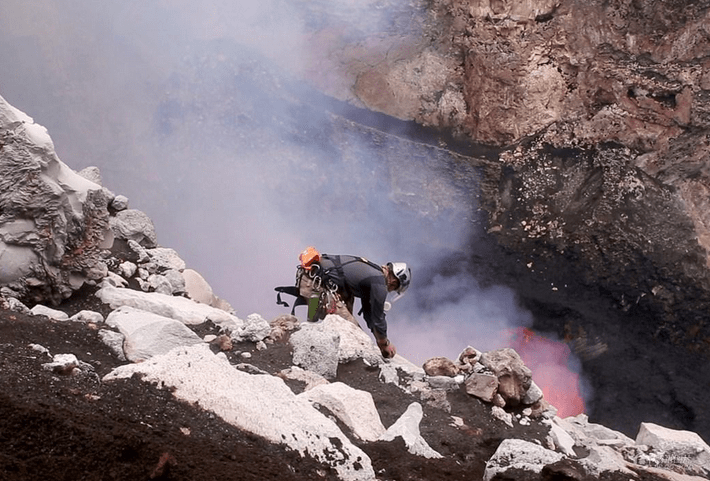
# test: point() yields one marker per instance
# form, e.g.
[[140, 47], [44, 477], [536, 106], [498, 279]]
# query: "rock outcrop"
[[53, 222]]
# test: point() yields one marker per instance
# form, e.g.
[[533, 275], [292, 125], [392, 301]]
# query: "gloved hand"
[[386, 348]]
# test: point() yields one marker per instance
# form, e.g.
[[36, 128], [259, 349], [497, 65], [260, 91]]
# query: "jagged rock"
[[440, 366], [354, 342], [127, 269], [262, 405], [179, 308], [315, 348], [469, 356], [119, 203], [445, 383], [132, 224], [254, 329], [139, 250], [147, 334], [483, 386], [114, 341], [40, 310], [54, 223], [17, 305], [283, 324], [500, 413], [165, 259], [682, 448], [514, 378], [533, 395], [353, 407], [407, 427], [604, 460], [223, 342], [560, 439], [62, 364], [87, 316], [115, 280], [521, 455]]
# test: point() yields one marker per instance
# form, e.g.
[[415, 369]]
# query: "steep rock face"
[[601, 113], [53, 222]]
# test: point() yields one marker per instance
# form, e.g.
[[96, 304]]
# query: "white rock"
[[254, 329], [197, 287], [499, 413], [407, 427], [562, 440], [114, 341], [149, 334], [119, 203], [62, 363], [87, 316], [685, 447], [355, 408], [315, 348], [40, 310], [132, 224], [127, 269], [354, 342], [166, 258], [181, 309], [262, 405], [519, 454]]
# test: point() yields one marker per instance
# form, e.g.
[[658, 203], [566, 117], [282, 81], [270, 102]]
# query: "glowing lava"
[[549, 361]]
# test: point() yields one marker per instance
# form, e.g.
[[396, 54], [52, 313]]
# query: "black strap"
[[293, 291]]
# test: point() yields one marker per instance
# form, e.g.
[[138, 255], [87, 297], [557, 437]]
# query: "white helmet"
[[402, 273]]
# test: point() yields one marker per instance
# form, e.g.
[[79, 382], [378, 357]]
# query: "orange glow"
[[547, 359]]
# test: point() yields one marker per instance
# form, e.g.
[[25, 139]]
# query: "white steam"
[[192, 111]]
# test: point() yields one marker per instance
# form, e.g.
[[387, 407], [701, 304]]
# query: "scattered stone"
[[127, 269], [514, 378], [86, 316], [533, 395], [354, 342], [119, 203], [407, 427], [255, 328], [165, 259], [132, 224], [40, 349], [520, 455], [40, 310], [483, 386], [355, 408], [440, 366], [149, 334], [139, 250], [17, 306], [499, 413], [283, 324], [223, 342], [63, 364]]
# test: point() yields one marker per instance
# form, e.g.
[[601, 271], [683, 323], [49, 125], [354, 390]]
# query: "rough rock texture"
[[53, 222]]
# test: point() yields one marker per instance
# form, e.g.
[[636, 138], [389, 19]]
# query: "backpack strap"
[[293, 291]]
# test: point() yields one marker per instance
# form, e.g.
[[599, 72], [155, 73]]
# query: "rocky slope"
[[130, 376]]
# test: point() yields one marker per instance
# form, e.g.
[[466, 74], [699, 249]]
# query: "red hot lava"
[[549, 362]]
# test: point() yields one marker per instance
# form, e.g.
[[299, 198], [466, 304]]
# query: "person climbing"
[[336, 280]]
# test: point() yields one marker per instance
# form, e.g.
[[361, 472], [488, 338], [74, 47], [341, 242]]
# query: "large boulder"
[[54, 223]]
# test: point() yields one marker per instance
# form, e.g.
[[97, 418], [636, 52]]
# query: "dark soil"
[[75, 427]]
